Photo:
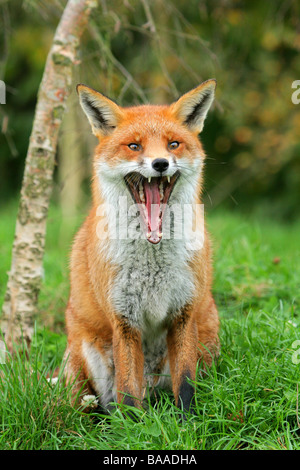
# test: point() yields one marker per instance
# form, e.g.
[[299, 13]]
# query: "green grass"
[[249, 398]]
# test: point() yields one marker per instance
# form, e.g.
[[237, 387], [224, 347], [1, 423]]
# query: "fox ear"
[[191, 109], [102, 113]]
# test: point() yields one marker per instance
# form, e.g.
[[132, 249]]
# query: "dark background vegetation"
[[154, 50], [136, 51]]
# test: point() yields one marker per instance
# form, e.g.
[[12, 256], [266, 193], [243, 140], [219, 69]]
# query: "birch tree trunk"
[[20, 303], [71, 169]]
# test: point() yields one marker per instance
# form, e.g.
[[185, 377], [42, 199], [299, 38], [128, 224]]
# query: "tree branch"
[[20, 303]]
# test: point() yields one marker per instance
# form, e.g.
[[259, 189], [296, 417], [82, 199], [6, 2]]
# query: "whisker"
[[184, 168], [181, 175]]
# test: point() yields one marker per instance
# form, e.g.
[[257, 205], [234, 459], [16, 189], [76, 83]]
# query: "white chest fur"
[[153, 282]]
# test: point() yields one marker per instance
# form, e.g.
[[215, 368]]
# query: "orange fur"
[[106, 348]]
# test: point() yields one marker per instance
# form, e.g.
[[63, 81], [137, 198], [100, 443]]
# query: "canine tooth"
[[169, 179], [148, 235], [142, 196], [160, 234], [149, 179]]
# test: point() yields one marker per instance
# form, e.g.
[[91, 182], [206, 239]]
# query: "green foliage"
[[248, 399], [138, 50]]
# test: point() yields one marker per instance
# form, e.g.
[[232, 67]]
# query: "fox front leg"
[[129, 363], [182, 342]]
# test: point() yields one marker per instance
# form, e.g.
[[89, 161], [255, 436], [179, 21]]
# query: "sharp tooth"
[[149, 179], [160, 234], [148, 235], [169, 179], [141, 187]]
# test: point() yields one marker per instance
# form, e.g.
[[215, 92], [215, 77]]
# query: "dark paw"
[[186, 398], [129, 408]]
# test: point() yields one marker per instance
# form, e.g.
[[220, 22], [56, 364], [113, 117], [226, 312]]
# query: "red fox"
[[141, 312]]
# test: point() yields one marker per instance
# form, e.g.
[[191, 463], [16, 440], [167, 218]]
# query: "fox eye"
[[135, 147], [173, 145]]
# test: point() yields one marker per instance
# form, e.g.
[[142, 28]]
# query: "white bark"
[[20, 303]]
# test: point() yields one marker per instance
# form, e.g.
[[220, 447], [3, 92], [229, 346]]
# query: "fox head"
[[151, 152]]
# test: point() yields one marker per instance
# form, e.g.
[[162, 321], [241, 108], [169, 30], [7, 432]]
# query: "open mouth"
[[152, 195]]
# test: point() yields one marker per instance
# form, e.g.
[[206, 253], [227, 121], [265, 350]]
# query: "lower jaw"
[[153, 236]]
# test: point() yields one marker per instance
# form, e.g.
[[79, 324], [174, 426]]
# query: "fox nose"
[[160, 164]]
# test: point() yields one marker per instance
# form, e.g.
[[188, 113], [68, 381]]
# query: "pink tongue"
[[153, 210]]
